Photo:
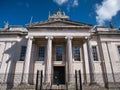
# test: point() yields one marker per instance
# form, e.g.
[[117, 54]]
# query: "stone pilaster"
[[102, 59], [4, 61], [27, 61]]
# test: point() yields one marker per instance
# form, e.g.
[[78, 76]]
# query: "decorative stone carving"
[[58, 15], [5, 26]]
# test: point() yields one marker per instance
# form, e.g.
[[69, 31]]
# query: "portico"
[[57, 44], [58, 52]]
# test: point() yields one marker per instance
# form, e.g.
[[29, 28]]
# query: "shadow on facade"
[[11, 63]]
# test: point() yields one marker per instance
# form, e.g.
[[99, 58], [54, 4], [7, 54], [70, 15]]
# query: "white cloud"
[[75, 3], [60, 2], [68, 3], [107, 10]]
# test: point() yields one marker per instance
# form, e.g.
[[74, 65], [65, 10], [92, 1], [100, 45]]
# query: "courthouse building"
[[59, 46]]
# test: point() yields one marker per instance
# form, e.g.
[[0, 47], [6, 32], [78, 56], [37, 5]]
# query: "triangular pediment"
[[58, 23]]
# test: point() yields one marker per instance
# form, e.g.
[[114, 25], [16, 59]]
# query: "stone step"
[[22, 87], [93, 87], [58, 87], [53, 87]]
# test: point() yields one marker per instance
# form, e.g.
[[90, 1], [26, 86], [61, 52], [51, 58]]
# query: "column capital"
[[29, 37], [87, 37], [49, 37], [68, 37]]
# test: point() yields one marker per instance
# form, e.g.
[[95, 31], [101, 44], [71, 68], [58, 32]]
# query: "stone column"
[[26, 66], [69, 58], [49, 59], [86, 62], [83, 65]]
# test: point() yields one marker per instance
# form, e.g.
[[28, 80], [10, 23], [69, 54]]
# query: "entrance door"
[[59, 75]]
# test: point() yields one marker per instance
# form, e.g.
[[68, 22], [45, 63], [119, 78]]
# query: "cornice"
[[13, 33], [117, 32], [59, 27]]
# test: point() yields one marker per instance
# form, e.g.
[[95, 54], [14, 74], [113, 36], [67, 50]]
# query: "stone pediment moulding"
[[58, 23]]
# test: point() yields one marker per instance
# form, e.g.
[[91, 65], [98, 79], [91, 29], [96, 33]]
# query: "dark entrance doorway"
[[59, 75]]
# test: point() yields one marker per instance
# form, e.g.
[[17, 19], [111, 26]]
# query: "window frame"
[[56, 52], [95, 53], [79, 53], [118, 51], [22, 56], [118, 48], [43, 52]]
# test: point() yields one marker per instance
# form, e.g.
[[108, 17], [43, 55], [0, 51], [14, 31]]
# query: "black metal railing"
[[78, 73], [80, 79], [38, 82], [36, 88], [76, 83]]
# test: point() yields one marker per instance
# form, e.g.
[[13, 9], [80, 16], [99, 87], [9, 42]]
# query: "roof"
[[13, 30], [102, 30]]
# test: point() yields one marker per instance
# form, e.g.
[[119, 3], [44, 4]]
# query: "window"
[[23, 52], [118, 50], [0, 55], [59, 52], [41, 53], [76, 53], [94, 52]]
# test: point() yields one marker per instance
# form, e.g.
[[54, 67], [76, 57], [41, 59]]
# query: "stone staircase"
[[17, 87], [24, 87], [84, 87], [93, 87], [53, 87], [60, 87]]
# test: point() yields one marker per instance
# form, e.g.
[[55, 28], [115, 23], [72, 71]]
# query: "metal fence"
[[78, 82]]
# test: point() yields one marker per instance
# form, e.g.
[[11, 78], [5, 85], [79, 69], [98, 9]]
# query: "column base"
[[92, 83], [24, 83], [46, 85]]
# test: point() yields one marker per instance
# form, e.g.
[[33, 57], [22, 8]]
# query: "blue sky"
[[96, 12]]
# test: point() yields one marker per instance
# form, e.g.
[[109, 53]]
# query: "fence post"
[[66, 85], [41, 78], [76, 79], [80, 80], [36, 87]]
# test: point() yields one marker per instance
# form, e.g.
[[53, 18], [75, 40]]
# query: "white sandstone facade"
[[58, 47]]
